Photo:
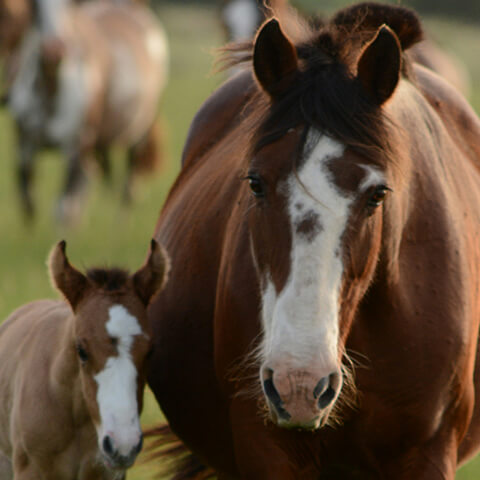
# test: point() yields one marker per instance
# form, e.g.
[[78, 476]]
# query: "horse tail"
[[177, 462], [148, 154]]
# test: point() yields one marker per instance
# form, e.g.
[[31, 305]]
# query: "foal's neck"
[[65, 372]]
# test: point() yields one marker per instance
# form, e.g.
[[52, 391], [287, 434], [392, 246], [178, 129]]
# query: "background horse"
[[241, 18], [321, 317], [89, 76], [73, 373], [15, 17]]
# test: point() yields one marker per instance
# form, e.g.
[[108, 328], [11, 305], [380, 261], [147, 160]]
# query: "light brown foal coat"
[[47, 391]]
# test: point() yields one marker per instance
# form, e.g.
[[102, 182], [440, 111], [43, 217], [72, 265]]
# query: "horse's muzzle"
[[296, 399], [114, 459]]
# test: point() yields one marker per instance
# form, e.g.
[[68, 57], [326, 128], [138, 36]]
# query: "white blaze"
[[301, 321], [117, 385]]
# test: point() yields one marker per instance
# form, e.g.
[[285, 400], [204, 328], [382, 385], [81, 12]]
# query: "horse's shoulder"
[[218, 114]]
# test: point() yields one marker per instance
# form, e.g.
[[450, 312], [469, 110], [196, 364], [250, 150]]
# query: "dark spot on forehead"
[[346, 173], [299, 206], [308, 225]]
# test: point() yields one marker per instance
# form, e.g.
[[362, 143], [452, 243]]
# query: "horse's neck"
[[50, 16]]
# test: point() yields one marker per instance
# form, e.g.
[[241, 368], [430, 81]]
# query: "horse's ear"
[[380, 64], [151, 277], [71, 283], [275, 60]]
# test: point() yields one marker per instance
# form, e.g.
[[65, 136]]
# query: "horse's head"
[[111, 341], [320, 171]]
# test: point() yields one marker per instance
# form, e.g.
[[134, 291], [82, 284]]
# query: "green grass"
[[108, 234]]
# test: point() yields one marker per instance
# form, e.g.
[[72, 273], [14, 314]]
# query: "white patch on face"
[[117, 385], [301, 321], [374, 177], [241, 18]]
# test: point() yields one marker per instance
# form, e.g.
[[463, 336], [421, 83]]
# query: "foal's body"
[[407, 306]]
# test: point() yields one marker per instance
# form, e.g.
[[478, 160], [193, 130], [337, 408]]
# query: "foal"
[[72, 373]]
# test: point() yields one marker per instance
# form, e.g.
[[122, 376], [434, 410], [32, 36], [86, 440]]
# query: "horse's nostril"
[[108, 445], [272, 393], [274, 398], [326, 398], [139, 446], [322, 385], [326, 390]]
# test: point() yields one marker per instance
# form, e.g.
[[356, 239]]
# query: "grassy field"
[[109, 235]]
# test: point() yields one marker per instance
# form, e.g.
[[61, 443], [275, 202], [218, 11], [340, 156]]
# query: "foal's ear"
[[275, 59], [71, 283], [379, 65], [150, 278]]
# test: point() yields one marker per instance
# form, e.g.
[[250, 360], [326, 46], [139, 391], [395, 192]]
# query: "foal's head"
[[320, 169], [111, 341]]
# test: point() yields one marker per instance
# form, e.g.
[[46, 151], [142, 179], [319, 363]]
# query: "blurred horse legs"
[[6, 472], [143, 157], [70, 203], [103, 158], [26, 153]]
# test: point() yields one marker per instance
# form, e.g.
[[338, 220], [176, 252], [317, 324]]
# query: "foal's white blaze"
[[301, 322], [117, 385]]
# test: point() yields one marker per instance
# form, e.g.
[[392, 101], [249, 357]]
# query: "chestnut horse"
[[321, 317], [72, 373], [89, 76]]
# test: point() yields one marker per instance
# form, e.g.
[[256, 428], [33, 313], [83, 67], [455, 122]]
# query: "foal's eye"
[[82, 353], [256, 185], [378, 196]]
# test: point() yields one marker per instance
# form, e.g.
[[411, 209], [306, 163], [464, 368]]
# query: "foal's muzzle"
[[114, 459]]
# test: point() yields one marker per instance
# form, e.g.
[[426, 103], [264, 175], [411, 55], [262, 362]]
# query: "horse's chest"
[[80, 459]]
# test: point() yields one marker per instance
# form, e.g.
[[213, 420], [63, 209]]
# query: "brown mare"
[[89, 76], [321, 317], [72, 373]]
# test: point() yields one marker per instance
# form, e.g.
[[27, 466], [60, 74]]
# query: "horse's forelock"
[[108, 279]]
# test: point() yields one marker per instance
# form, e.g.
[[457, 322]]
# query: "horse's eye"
[[82, 353], [256, 185], [378, 195]]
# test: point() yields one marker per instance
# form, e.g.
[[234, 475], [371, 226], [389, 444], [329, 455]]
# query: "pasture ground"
[[110, 235]]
